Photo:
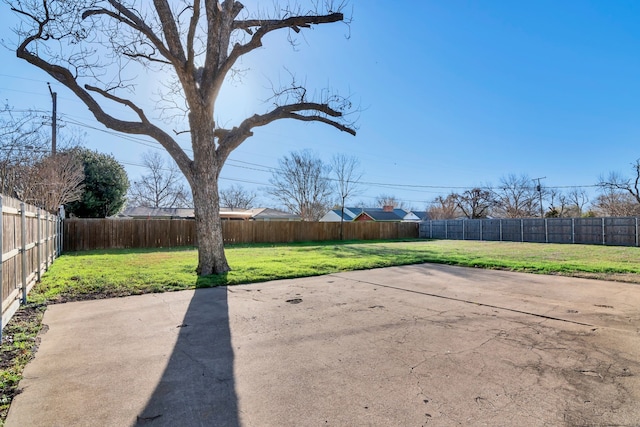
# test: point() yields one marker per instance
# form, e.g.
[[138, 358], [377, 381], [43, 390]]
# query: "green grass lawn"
[[100, 274]]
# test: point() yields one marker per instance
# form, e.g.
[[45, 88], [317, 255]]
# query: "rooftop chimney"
[[387, 208]]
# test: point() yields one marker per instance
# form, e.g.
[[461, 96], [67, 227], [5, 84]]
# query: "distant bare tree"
[[558, 204], [516, 197], [388, 200], [578, 199], [612, 202], [22, 144], [161, 187], [52, 182], [28, 171], [236, 197], [347, 176], [302, 185], [475, 203], [444, 208], [615, 181]]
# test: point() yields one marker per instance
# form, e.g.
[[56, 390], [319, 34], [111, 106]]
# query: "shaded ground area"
[[414, 345]]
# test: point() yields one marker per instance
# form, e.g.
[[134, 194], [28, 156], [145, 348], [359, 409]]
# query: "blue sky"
[[453, 94]]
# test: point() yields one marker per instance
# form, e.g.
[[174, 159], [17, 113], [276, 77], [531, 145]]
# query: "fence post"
[[636, 231], [38, 246], [604, 237], [1, 275], [500, 230], [60, 235], [430, 229], [61, 216], [463, 221], [56, 236], [446, 229], [546, 231], [481, 221], [23, 250], [521, 230], [573, 230], [57, 246], [47, 241]]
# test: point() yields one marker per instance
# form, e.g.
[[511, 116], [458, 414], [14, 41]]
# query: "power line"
[[268, 169]]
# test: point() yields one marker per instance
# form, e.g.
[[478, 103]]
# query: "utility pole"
[[54, 99], [539, 190]]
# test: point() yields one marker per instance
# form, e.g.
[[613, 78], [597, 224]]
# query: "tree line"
[[518, 196]]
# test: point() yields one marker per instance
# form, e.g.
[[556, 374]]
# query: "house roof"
[[268, 213], [145, 212], [380, 215], [227, 213], [376, 214], [349, 213], [423, 215]]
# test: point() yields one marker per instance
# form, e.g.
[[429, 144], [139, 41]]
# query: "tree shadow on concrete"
[[197, 387]]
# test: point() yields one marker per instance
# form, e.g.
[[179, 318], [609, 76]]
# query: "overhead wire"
[[419, 188], [268, 169]]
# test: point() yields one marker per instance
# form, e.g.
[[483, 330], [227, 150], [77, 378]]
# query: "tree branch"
[[170, 29], [127, 17], [65, 77], [265, 27], [191, 33], [232, 139], [119, 100]]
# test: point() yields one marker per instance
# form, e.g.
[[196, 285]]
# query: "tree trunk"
[[211, 257], [206, 200]]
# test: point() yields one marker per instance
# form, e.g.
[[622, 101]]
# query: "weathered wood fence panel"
[[29, 242], [591, 231], [90, 234]]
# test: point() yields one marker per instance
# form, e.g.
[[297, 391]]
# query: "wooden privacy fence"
[[29, 242], [89, 234], [591, 231]]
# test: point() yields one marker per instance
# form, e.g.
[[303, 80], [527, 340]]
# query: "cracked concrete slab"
[[412, 346]]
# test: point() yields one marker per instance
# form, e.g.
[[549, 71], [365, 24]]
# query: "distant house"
[[141, 212], [257, 214], [387, 213], [421, 215], [335, 214]]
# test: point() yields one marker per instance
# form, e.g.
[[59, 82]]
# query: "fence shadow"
[[198, 385]]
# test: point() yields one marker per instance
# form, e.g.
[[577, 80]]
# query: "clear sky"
[[453, 94]]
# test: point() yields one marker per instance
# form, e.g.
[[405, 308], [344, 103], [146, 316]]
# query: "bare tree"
[[28, 171], [388, 200], [516, 197], [97, 48], [236, 197], [578, 199], [558, 204], [347, 176], [302, 185], [475, 203], [22, 145], [612, 202], [616, 181], [444, 208], [161, 186], [52, 181]]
